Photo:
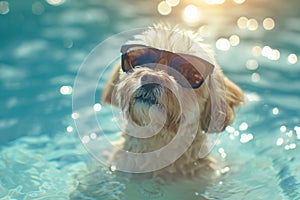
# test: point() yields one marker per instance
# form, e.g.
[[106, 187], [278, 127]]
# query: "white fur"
[[191, 111]]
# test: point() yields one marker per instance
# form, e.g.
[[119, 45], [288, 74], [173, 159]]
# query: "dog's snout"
[[150, 79]]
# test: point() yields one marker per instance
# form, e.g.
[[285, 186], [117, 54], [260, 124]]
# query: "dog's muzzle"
[[150, 89]]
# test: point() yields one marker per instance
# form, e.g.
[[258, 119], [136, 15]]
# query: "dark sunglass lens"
[[187, 75], [139, 56], [196, 80]]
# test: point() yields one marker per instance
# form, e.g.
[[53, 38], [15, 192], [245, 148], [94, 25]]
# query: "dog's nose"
[[150, 79]]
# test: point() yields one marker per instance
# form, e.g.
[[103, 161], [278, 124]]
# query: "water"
[[42, 47]]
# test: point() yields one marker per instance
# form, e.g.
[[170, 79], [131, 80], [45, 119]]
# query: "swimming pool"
[[43, 44]]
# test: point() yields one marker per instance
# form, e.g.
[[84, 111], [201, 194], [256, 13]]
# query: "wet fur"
[[217, 90]]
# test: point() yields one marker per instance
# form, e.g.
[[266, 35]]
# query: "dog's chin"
[[153, 102]]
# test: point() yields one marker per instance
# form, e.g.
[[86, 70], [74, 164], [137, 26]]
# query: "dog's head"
[[170, 90], [170, 76]]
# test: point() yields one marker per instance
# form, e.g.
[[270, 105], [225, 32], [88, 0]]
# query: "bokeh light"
[[173, 3], [266, 51], [234, 40], [252, 24], [239, 1], [256, 51], [55, 2], [164, 8], [75, 115], [255, 77], [93, 136], [292, 58], [85, 139], [279, 141], [223, 44], [191, 14], [222, 152], [275, 111], [246, 137], [268, 23], [252, 64], [4, 7], [243, 126], [70, 129], [290, 146], [225, 170], [113, 168], [253, 97], [293, 146], [97, 107], [66, 90], [230, 129], [283, 129], [275, 55], [242, 22], [272, 54]]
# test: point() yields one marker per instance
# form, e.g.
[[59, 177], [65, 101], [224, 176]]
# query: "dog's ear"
[[225, 96], [108, 89]]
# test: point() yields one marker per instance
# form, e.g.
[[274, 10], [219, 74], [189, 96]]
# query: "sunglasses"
[[188, 70]]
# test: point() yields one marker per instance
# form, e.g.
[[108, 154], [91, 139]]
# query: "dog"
[[167, 83]]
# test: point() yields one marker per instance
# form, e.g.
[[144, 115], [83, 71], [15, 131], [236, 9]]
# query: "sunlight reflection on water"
[[256, 48]]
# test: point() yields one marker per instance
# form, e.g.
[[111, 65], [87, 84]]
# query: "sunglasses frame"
[[126, 47]]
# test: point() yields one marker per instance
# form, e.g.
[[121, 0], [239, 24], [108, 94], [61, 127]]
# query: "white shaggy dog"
[[169, 83]]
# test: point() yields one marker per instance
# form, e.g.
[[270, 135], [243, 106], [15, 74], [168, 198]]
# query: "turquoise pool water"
[[43, 44]]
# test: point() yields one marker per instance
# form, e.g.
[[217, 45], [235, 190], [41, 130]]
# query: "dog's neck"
[[188, 160], [143, 145]]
